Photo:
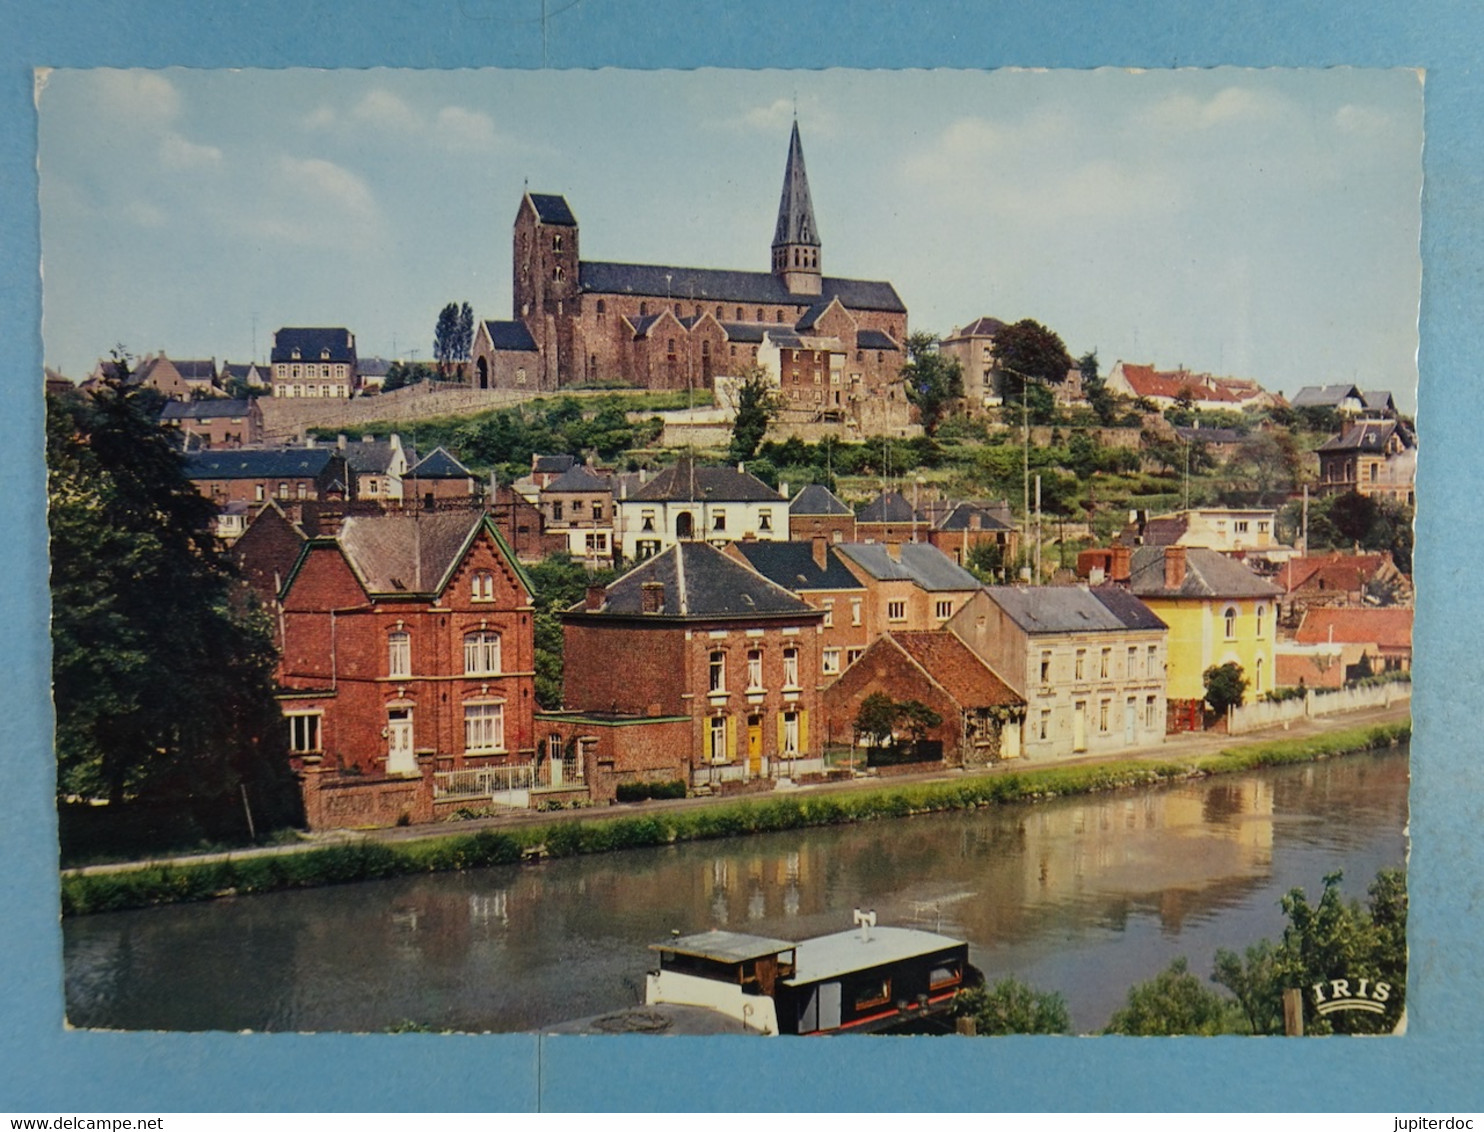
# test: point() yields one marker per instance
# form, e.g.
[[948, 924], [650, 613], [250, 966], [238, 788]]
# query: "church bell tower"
[[796, 240]]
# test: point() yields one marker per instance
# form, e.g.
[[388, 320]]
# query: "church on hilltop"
[[833, 347]]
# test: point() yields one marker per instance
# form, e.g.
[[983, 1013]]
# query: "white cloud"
[[328, 183], [1229, 106], [144, 214], [144, 97], [320, 118], [178, 153], [385, 110], [1362, 121], [461, 129]]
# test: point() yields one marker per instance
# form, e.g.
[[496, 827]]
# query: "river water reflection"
[[1084, 895]]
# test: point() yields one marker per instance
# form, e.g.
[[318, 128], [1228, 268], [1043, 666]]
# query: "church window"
[[677, 310], [734, 349], [557, 274], [643, 310], [778, 316], [602, 309], [718, 313], [859, 355], [760, 314], [556, 241], [739, 314], [796, 257]]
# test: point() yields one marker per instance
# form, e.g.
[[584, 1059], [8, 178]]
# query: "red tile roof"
[[1345, 572], [956, 668], [1146, 381], [1386, 628]]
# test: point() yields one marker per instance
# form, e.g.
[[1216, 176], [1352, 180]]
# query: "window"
[[875, 993], [853, 655], [304, 733], [556, 512], [765, 519], [830, 662], [829, 612], [482, 586], [283, 491], [1151, 713], [303, 490], [399, 653], [481, 654], [755, 670], [1133, 662], [896, 611], [1105, 664], [1103, 706], [718, 672], [258, 493], [1262, 526], [1231, 622], [484, 727], [718, 520], [1152, 661], [1262, 612], [646, 521], [791, 733], [1241, 526], [1045, 666], [1045, 730], [855, 611], [597, 543], [1079, 670], [556, 241], [1257, 677], [943, 610], [718, 738], [791, 667], [950, 974]]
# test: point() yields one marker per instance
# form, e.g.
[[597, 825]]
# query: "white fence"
[[500, 785], [1255, 717]]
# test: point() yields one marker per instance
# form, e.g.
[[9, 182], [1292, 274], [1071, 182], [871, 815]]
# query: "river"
[[1085, 896]]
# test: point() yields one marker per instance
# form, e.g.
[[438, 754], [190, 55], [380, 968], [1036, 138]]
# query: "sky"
[[1252, 223]]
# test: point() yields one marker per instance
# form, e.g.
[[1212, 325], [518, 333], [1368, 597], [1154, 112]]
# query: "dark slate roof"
[[963, 517], [258, 463], [792, 566], [552, 208], [787, 339], [642, 322], [1365, 436], [795, 209], [312, 342], [373, 455], [373, 367], [1162, 530], [1127, 608], [1207, 574], [984, 327], [577, 479], [702, 582], [706, 284], [714, 485], [918, 562], [1324, 396], [406, 553], [744, 331], [557, 463], [816, 499], [1209, 435], [888, 507], [439, 465], [196, 369], [811, 316], [509, 335], [243, 370], [874, 340], [204, 410], [1057, 609]]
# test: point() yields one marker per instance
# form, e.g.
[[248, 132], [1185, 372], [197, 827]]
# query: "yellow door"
[[754, 745]]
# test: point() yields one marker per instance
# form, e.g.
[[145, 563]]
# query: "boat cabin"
[[850, 982]]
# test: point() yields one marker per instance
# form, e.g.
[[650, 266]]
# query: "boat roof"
[[831, 955], [726, 947]]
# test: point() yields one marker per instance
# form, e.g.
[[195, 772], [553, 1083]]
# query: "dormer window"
[[482, 586], [295, 354]]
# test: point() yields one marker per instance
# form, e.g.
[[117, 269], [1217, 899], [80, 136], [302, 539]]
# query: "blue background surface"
[[1436, 1066]]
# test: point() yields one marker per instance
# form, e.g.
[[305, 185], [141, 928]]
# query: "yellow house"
[[1217, 611]]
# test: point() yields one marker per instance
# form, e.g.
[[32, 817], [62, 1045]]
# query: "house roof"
[[552, 208], [510, 334], [1387, 628], [970, 517], [1127, 608], [874, 340], [554, 464], [1146, 381], [408, 553], [714, 285], [1325, 396], [1365, 436], [439, 465], [983, 327], [1378, 399], [744, 331], [792, 566], [204, 410], [919, 562], [258, 463], [1209, 435], [713, 485], [373, 455], [1061, 609], [1343, 572], [1208, 574], [816, 499], [373, 367], [196, 369], [812, 316], [577, 479], [700, 582], [1162, 530], [955, 668], [314, 343], [239, 370], [889, 507]]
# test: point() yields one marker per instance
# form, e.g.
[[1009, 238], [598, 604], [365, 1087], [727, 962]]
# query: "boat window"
[[948, 975], [875, 993]]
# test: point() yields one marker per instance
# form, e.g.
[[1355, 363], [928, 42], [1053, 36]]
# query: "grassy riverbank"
[[374, 860]]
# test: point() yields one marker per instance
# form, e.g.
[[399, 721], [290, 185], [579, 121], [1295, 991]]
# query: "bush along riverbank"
[[375, 860]]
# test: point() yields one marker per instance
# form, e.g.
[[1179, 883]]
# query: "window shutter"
[[803, 732], [779, 748], [731, 738]]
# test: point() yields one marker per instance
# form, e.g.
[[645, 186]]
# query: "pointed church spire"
[[795, 239]]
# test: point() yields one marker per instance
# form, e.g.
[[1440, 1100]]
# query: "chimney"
[[741, 467], [1120, 567], [783, 490], [1174, 567], [367, 438], [821, 550], [652, 597], [596, 595], [340, 442], [894, 551]]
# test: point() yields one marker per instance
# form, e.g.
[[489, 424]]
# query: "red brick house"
[[215, 422], [439, 478], [407, 652], [1382, 636], [592, 753], [816, 510], [692, 632], [981, 714], [255, 475]]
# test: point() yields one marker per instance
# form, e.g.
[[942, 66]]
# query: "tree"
[[1012, 1007], [1026, 351], [1173, 1002], [560, 581], [162, 677], [446, 338], [756, 407], [876, 719], [464, 340], [1251, 978], [1096, 390], [1225, 686], [933, 382], [400, 374], [985, 561]]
